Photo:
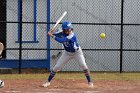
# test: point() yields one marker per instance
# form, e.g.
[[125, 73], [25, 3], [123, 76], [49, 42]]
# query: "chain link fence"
[[31, 19]]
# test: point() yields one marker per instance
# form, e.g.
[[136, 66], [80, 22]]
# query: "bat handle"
[[52, 30]]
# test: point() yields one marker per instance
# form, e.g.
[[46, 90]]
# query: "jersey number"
[[66, 44]]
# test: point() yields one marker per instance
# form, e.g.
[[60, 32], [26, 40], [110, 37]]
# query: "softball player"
[[71, 50]]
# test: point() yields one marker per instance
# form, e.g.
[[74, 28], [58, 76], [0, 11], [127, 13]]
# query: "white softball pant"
[[66, 56]]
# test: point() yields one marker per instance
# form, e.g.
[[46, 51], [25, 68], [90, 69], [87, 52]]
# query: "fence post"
[[48, 28], [121, 41], [20, 34]]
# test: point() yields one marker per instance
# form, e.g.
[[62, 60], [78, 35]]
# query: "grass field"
[[79, 75]]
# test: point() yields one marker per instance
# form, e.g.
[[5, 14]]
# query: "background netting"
[[89, 19]]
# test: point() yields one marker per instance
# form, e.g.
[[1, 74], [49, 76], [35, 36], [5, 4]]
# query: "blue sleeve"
[[61, 40]]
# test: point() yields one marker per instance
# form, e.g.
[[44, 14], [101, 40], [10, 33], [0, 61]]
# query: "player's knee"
[[84, 67], [56, 69], [86, 71]]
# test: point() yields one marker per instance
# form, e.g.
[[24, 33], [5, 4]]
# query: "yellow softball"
[[102, 35]]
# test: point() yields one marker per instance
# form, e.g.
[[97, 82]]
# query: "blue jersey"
[[69, 41]]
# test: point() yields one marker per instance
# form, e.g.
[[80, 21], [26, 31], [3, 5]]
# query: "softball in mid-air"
[[102, 35]]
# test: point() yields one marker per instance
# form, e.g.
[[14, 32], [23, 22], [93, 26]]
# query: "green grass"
[[66, 75], [117, 76]]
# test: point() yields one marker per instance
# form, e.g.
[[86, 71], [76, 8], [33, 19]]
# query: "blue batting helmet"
[[66, 25]]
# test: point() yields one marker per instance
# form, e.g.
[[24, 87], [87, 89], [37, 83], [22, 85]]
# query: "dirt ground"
[[70, 86]]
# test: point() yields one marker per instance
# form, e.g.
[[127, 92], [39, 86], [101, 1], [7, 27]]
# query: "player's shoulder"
[[74, 34], [71, 35]]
